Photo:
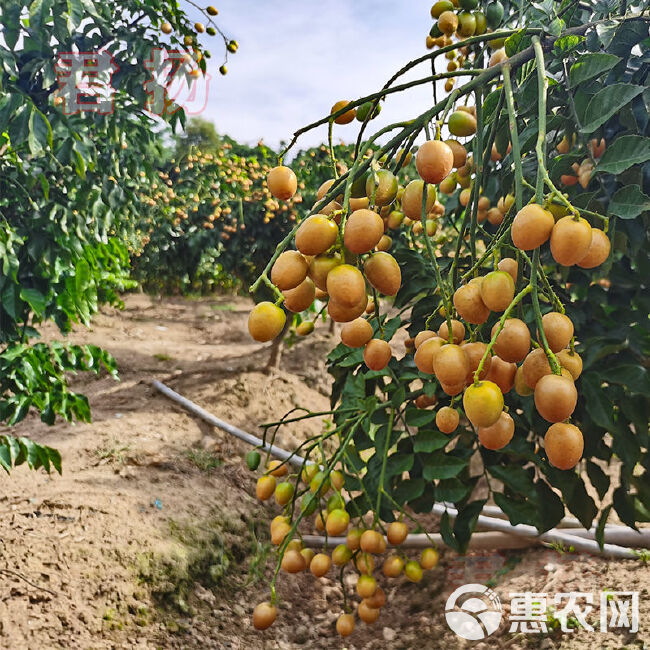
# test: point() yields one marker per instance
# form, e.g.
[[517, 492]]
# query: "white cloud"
[[297, 57]]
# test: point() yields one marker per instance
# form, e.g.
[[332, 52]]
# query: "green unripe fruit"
[[384, 190], [461, 124], [413, 571], [318, 480], [364, 110], [468, 4], [335, 502], [494, 14], [253, 459], [440, 6], [466, 23], [481, 23], [283, 493]]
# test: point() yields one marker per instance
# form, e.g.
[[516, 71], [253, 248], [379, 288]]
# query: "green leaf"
[[416, 417], [629, 202], [624, 506], [627, 35], [39, 12], [441, 465], [590, 66], [555, 29], [566, 44], [598, 478], [14, 449], [518, 479], [551, 508], [31, 452], [624, 152], [634, 378], [517, 42], [35, 299], [452, 490], [45, 186], [40, 131], [490, 105], [600, 528], [519, 512], [398, 463], [598, 406], [429, 440], [5, 457], [580, 503], [606, 102], [466, 522], [83, 276], [574, 493], [55, 458], [446, 532], [75, 12], [408, 490]]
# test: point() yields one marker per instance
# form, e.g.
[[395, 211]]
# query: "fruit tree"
[[70, 183], [515, 270]]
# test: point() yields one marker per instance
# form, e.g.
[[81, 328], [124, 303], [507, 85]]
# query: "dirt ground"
[[151, 538]]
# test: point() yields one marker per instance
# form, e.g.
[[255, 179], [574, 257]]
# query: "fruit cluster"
[[463, 19], [360, 550], [480, 340], [582, 171], [190, 39], [324, 262]]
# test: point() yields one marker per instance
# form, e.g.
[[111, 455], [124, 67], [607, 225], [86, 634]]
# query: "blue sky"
[[297, 57]]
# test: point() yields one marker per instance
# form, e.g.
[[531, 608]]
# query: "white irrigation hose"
[[294, 459], [582, 540], [495, 511], [478, 541], [551, 536], [615, 533]]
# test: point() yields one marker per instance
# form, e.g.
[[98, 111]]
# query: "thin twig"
[[29, 582]]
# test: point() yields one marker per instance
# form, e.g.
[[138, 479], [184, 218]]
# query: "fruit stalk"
[[514, 136], [552, 359], [330, 129], [314, 497], [432, 56], [432, 255], [479, 179], [502, 321], [384, 461], [478, 160]]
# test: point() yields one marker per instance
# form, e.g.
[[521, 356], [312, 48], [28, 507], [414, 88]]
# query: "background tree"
[[69, 192]]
